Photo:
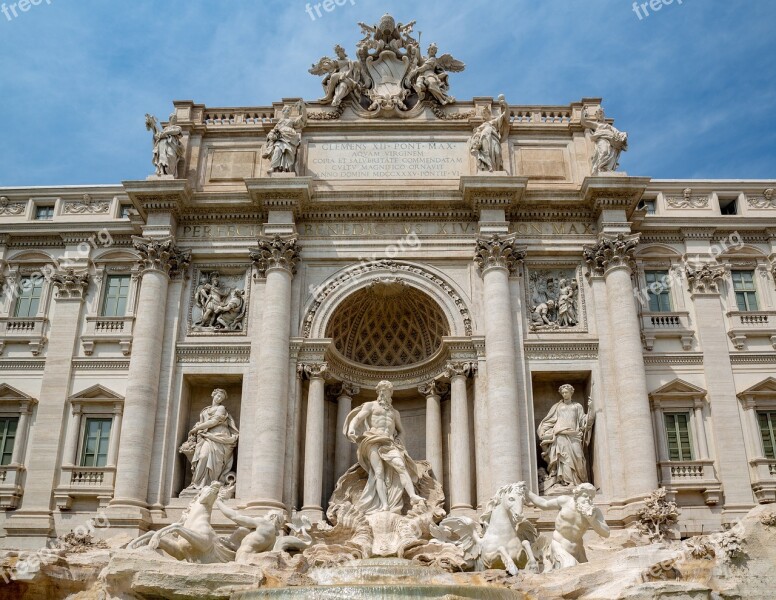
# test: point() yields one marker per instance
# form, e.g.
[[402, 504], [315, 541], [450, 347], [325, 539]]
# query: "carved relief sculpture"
[[11, 209], [168, 147], [283, 141], [564, 435], [553, 299], [687, 200], [210, 445], [485, 143], [86, 206], [219, 308], [609, 142]]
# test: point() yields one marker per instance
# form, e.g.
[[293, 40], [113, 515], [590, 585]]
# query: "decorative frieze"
[[688, 200], [498, 252], [611, 253], [11, 209], [86, 206], [161, 254], [572, 351], [276, 253], [766, 201], [705, 279], [226, 354], [70, 285]]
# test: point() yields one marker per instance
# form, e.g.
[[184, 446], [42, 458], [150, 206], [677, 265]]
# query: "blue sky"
[[693, 84]]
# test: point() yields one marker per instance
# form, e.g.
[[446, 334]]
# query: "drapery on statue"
[[564, 434], [576, 516], [284, 140], [210, 445], [342, 76], [223, 309], [609, 142], [168, 149], [376, 428], [485, 143], [430, 75]]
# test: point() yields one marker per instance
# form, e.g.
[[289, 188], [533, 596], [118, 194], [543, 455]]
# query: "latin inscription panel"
[[387, 160]]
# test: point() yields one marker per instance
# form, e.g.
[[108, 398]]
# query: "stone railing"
[[224, 117], [711, 198], [84, 482], [666, 325], [30, 330], [11, 488], [691, 475], [117, 330], [752, 324]]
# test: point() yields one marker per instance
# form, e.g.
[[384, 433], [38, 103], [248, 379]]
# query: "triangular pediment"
[[11, 393], [97, 392], [678, 388], [767, 387]]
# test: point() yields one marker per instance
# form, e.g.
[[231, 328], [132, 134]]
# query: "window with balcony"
[[745, 290], [44, 213], [28, 300], [658, 291], [767, 421], [8, 427], [96, 442], [678, 436], [114, 303]]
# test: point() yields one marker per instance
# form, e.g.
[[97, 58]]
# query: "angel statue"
[[609, 142], [342, 76], [430, 75], [485, 143], [284, 140], [168, 149]]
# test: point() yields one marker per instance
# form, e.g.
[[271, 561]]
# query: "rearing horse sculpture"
[[503, 537], [192, 538]]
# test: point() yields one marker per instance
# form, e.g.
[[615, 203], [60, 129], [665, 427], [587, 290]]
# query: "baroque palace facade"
[[476, 255]]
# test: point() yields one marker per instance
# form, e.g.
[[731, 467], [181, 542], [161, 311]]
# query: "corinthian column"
[[313, 445], [342, 445], [433, 428], [460, 442], [159, 260], [276, 260], [612, 256], [496, 258]]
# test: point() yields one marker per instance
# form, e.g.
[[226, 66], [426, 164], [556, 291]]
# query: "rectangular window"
[[7, 438], [114, 303], [96, 439], [125, 208], [746, 293], [678, 435], [658, 291], [28, 300], [44, 213], [767, 422]]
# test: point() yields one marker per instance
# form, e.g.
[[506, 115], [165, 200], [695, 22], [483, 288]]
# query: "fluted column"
[[342, 444], [613, 256], [276, 259], [434, 428], [728, 428], [159, 260], [313, 444], [460, 442], [496, 258]]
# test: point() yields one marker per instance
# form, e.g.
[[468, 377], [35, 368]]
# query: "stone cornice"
[[281, 191], [159, 195], [492, 191], [613, 192]]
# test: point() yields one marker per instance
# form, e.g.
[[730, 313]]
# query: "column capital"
[[460, 368], [276, 252], [70, 285], [344, 389], [312, 370], [705, 279], [611, 252], [161, 254], [434, 388], [497, 252]]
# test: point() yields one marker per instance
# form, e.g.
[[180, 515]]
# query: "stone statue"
[[429, 76], [284, 140], [564, 434], [168, 149], [192, 538], [210, 445], [541, 314], [503, 537], [567, 308], [485, 143], [609, 142], [553, 298], [576, 516], [342, 76], [376, 428]]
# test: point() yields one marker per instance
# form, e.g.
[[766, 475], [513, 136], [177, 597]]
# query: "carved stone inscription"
[[387, 160]]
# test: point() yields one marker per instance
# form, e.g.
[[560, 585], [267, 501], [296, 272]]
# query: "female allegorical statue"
[[564, 434], [211, 443]]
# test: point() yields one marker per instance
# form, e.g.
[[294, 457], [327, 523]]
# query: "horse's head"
[[510, 497]]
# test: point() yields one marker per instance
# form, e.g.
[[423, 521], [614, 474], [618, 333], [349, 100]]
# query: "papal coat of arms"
[[390, 76]]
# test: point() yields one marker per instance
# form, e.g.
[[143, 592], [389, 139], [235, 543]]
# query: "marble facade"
[[378, 244]]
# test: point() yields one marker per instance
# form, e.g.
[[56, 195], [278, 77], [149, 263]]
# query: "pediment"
[[678, 388], [766, 387], [657, 251], [8, 393], [97, 392]]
